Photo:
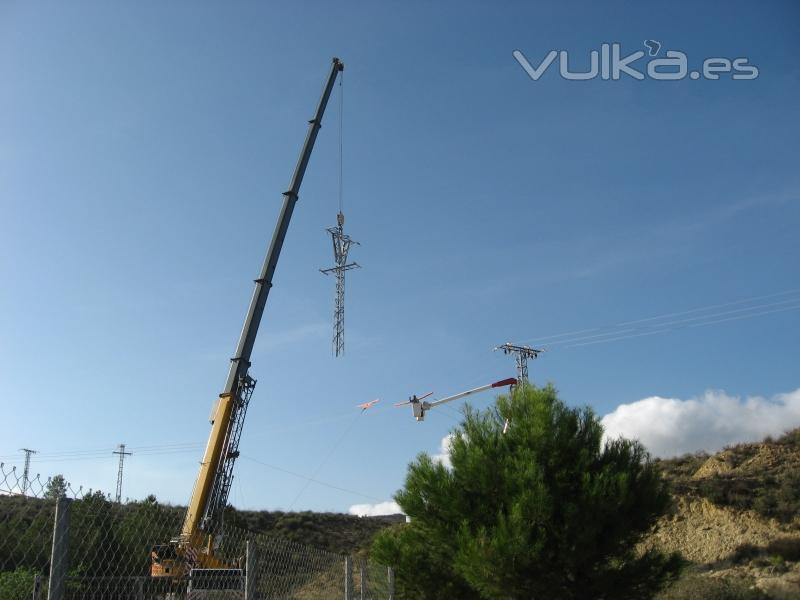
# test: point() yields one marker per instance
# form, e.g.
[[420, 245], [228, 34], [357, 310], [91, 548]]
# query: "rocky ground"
[[735, 518]]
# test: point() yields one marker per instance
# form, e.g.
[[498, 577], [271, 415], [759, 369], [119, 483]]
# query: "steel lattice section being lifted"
[[341, 248]]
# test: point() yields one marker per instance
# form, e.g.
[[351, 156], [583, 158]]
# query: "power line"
[[570, 334], [327, 457], [451, 413], [766, 312], [122, 448], [624, 330], [612, 335], [168, 448], [310, 479], [103, 452], [722, 305], [667, 326], [701, 324]]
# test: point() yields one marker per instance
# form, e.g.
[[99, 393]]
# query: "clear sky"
[[144, 148]]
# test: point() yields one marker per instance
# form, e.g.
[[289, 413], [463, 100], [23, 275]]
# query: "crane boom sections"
[[241, 361], [210, 494]]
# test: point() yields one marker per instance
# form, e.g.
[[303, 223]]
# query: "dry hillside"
[[737, 519]]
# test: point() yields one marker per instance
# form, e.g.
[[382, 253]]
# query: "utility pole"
[[27, 469], [521, 356], [122, 455], [341, 246]]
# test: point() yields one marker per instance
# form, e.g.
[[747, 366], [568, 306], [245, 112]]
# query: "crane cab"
[[165, 561]]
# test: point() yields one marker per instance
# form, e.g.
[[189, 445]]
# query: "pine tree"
[[547, 510], [56, 487]]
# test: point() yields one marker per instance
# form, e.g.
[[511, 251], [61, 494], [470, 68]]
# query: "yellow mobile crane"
[[195, 547]]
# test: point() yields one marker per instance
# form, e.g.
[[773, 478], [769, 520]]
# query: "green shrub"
[[778, 564], [17, 585]]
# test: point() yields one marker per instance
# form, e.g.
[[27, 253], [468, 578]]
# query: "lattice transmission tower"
[[122, 455], [341, 248], [26, 471], [521, 356]]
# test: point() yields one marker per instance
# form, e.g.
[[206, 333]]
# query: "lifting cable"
[[341, 129]]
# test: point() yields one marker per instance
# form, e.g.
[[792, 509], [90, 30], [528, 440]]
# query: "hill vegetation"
[[735, 519], [334, 532], [763, 477]]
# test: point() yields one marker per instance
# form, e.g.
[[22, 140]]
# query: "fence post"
[[58, 556], [348, 578], [140, 588], [362, 582], [37, 587], [390, 577], [250, 573]]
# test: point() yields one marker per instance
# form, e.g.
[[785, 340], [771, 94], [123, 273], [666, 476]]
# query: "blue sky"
[[144, 147]]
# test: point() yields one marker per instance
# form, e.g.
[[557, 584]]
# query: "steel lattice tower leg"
[[341, 247], [522, 366], [338, 311], [122, 455]]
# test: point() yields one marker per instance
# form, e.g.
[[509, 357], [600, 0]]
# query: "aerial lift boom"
[[419, 406], [195, 545]]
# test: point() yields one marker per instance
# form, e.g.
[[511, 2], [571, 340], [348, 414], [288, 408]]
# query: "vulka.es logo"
[[608, 63]]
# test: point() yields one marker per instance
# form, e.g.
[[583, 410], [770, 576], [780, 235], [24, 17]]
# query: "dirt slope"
[[736, 515]]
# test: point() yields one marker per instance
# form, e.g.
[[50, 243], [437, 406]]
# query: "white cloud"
[[390, 507], [443, 457], [671, 427]]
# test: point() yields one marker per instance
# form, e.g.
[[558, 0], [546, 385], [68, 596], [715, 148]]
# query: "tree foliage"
[[546, 510], [56, 487], [17, 584]]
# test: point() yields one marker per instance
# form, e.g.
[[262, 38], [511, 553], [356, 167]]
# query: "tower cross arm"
[[342, 268]]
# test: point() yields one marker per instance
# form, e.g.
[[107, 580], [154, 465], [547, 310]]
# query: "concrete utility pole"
[[27, 469], [122, 455], [521, 356]]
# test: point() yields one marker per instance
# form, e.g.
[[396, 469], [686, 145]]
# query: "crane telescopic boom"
[[210, 495]]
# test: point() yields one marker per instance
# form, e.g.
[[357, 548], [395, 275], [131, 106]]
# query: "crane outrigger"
[[195, 546]]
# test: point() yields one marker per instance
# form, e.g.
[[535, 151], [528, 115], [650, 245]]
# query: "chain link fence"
[[61, 543]]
